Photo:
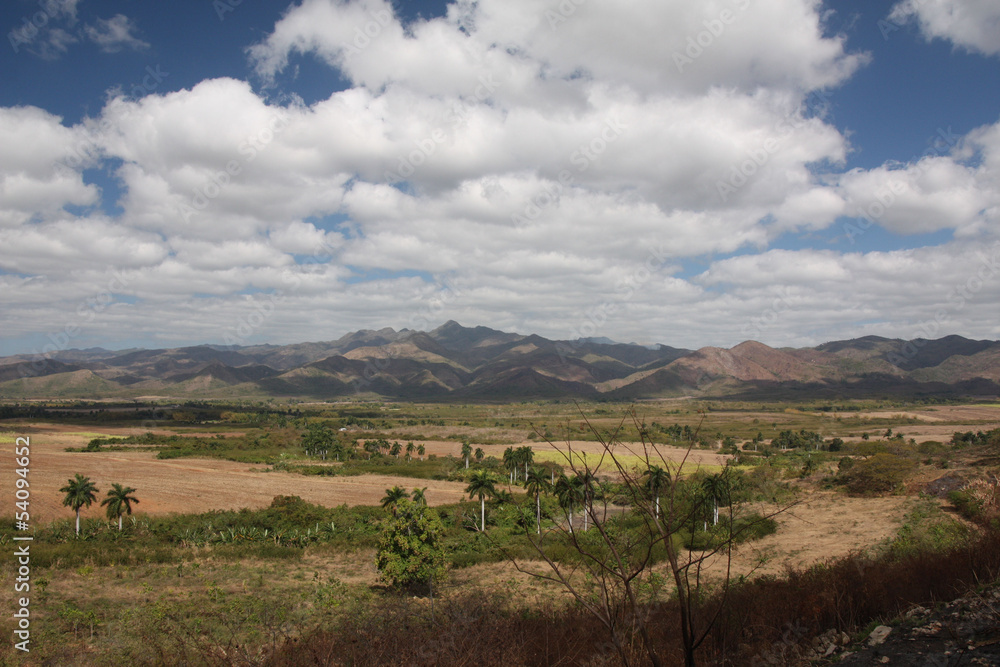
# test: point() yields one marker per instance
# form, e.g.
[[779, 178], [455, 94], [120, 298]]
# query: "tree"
[[317, 439], [409, 450], [466, 452], [613, 580], [481, 485], [421, 450], [120, 499], [409, 547], [657, 479], [536, 484], [510, 462], [80, 492], [568, 493], [396, 450], [392, 498], [716, 489], [419, 497], [479, 454], [524, 456]]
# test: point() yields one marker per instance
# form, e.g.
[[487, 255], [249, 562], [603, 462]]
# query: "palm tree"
[[466, 452], [479, 454], [526, 456], [715, 488], [80, 492], [510, 462], [419, 497], [392, 497], [536, 484], [481, 485], [585, 483], [568, 494], [409, 450], [396, 449], [119, 499], [421, 450], [656, 479]]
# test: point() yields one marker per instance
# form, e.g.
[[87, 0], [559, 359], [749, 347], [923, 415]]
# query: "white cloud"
[[973, 25], [114, 34], [559, 174]]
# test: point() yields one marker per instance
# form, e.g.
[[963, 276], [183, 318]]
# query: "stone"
[[878, 635]]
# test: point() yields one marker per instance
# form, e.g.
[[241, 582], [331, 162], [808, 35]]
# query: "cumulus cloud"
[[515, 163], [973, 25]]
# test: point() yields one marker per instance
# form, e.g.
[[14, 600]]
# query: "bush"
[[882, 473]]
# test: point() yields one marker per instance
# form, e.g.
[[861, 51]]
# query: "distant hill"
[[479, 363]]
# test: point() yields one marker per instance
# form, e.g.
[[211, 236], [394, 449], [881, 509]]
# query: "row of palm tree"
[[81, 492], [517, 459], [576, 492]]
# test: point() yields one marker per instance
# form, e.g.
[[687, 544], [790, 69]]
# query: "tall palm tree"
[[481, 485], [536, 484], [466, 452], [80, 492], [419, 497], [656, 480], [421, 450], [568, 494], [510, 462], [120, 499], [396, 450], [715, 487], [525, 456], [409, 450], [585, 483], [479, 454], [392, 497]]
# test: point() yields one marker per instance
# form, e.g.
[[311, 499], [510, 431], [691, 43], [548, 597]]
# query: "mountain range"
[[479, 363]]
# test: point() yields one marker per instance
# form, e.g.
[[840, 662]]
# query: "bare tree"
[[611, 574]]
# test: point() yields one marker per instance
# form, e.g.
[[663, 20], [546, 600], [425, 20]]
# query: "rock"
[[879, 635]]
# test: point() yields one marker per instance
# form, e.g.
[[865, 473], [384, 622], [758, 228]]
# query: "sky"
[[652, 171]]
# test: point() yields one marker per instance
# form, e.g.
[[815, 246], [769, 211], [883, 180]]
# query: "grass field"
[[90, 613]]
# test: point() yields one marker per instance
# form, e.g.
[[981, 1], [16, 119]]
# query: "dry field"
[[183, 485], [199, 485]]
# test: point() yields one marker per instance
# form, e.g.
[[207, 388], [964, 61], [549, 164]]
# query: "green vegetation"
[[248, 582]]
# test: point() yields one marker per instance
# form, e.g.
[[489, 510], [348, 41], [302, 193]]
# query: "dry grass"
[[186, 485]]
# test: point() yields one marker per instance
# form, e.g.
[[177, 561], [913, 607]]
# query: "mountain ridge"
[[480, 363]]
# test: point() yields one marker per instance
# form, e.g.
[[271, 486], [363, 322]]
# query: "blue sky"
[[237, 172]]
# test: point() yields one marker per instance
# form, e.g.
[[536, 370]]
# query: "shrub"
[[881, 473]]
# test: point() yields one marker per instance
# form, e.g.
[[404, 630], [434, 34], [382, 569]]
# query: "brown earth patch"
[[186, 485]]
